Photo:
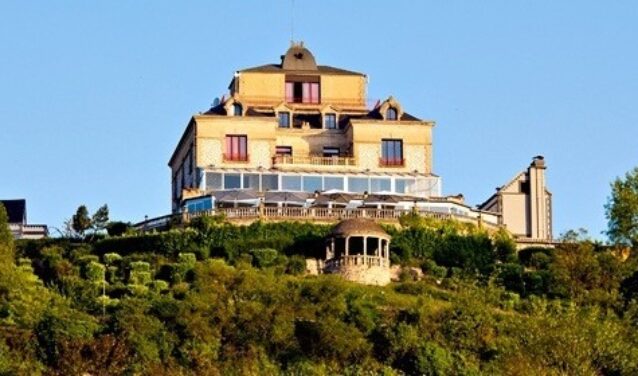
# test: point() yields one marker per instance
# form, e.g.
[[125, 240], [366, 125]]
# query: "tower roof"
[[358, 226], [298, 57]]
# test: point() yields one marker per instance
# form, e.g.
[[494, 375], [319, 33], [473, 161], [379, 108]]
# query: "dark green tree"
[[6, 238], [100, 219], [80, 222], [622, 210]]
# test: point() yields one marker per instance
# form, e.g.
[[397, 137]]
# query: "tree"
[[6, 238], [100, 218], [622, 210], [80, 222]]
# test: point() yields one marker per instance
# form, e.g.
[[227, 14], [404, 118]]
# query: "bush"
[[430, 267], [296, 265], [95, 272], [112, 258], [263, 258]]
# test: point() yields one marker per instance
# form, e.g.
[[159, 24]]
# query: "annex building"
[[298, 139]]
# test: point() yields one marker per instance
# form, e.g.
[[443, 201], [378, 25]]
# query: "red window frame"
[[236, 148]]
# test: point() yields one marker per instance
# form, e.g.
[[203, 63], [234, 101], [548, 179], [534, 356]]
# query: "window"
[[358, 184], [199, 204], [284, 120], [391, 114], [232, 181], [236, 148], [391, 153], [330, 151], [333, 182], [312, 183], [269, 182], [291, 183], [251, 181], [330, 121], [402, 185], [302, 92], [213, 181], [379, 184], [283, 150], [237, 110]]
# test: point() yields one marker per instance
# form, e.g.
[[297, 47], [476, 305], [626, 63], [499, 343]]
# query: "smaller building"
[[17, 213], [359, 250], [524, 204]]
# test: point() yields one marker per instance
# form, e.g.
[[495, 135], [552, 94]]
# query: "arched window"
[[391, 114], [237, 110]]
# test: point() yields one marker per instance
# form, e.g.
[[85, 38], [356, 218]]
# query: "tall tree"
[[622, 210], [100, 218], [80, 222], [6, 238]]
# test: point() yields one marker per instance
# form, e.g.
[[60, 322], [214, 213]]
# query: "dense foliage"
[[219, 299], [622, 210]]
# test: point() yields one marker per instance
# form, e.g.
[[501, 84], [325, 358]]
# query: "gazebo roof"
[[358, 226]]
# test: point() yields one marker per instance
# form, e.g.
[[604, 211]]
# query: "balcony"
[[313, 161], [396, 162], [236, 158]]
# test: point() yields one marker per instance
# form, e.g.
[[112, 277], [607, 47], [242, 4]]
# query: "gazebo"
[[359, 250]]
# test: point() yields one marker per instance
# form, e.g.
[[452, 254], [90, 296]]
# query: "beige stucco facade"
[[330, 130], [299, 126]]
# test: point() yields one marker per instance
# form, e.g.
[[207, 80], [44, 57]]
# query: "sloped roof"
[[277, 68], [358, 226], [16, 210], [375, 114]]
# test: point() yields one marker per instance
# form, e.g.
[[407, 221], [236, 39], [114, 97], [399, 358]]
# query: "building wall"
[[212, 132], [343, 90], [261, 87], [269, 88], [417, 144], [515, 213]]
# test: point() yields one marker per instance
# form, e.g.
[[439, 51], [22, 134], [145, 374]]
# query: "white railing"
[[313, 160], [357, 260], [304, 213]]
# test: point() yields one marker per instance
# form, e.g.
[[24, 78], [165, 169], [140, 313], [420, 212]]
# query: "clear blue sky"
[[95, 95]]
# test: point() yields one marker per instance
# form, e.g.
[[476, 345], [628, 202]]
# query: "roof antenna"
[[292, 21]]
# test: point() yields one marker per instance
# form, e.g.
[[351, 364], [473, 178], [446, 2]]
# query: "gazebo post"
[[347, 245], [379, 249], [365, 246]]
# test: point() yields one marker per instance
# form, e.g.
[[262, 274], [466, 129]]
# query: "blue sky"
[[95, 95]]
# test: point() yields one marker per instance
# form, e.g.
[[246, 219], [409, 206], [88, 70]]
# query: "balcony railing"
[[357, 260], [314, 160], [397, 162], [234, 158]]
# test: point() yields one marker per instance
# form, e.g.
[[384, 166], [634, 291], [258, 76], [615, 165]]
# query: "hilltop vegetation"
[[219, 299]]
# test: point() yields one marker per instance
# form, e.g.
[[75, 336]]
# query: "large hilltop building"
[[296, 133]]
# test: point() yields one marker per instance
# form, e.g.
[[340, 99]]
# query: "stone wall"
[[369, 275]]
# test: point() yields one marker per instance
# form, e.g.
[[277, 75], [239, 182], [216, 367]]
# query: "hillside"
[[216, 298]]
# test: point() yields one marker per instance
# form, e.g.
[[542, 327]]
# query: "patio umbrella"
[[237, 196], [286, 197], [337, 198], [381, 199]]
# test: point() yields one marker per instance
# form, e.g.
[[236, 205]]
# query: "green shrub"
[[264, 257], [95, 272], [112, 258], [296, 265]]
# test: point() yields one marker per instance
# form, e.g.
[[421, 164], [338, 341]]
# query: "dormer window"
[[330, 121], [391, 114], [237, 109], [284, 120]]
